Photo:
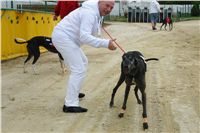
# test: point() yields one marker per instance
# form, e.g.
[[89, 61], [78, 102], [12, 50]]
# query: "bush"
[[195, 10]]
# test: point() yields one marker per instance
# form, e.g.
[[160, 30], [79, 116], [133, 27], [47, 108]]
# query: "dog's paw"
[[145, 125], [121, 115]]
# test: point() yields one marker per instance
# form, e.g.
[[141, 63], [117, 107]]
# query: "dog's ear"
[[124, 57]]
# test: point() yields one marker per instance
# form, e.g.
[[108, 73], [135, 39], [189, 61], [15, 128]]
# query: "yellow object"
[[22, 24]]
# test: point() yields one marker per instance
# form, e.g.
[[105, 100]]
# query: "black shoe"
[[72, 109], [81, 95]]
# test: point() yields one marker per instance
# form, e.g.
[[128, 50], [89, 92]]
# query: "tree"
[[195, 10]]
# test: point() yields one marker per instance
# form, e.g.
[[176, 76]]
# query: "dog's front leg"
[[142, 85], [121, 114], [121, 80]]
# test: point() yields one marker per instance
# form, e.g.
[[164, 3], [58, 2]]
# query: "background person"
[[77, 28], [154, 13], [63, 8]]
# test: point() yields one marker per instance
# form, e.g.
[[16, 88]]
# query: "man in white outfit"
[[154, 13], [78, 28]]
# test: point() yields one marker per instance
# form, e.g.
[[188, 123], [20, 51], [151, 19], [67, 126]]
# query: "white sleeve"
[[86, 37]]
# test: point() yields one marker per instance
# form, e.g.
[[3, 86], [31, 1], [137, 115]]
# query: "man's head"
[[105, 6]]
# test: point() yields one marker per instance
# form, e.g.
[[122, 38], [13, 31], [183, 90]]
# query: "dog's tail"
[[22, 41], [149, 59]]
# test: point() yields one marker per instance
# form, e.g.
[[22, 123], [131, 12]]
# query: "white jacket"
[[154, 7], [82, 24]]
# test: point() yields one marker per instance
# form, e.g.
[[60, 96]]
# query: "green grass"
[[186, 18], [124, 19]]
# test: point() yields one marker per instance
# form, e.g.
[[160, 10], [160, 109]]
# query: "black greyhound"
[[133, 68], [167, 20], [33, 49]]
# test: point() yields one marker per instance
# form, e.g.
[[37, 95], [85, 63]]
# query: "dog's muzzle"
[[129, 65]]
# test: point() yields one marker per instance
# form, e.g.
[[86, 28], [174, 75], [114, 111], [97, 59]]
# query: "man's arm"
[[86, 37]]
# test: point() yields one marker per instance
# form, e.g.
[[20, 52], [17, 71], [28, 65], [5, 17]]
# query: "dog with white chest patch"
[[33, 49], [133, 69]]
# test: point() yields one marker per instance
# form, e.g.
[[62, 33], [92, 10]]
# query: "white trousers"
[[77, 62]]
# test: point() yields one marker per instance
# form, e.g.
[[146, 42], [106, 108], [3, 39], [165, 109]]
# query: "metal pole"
[[45, 6], [119, 8], [11, 3]]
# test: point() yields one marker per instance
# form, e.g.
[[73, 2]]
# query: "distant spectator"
[[154, 13], [63, 8]]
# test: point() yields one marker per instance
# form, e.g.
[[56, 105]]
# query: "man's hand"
[[111, 45]]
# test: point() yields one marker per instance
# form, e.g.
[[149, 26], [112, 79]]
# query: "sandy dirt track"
[[33, 103]]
